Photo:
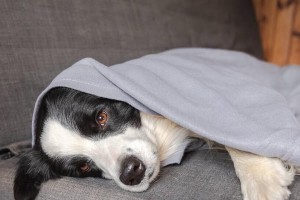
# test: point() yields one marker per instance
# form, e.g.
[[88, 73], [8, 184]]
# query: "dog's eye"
[[102, 118], [85, 167]]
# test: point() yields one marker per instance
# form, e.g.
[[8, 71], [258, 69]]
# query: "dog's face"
[[82, 135]]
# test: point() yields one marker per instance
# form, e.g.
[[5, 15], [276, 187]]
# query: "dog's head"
[[82, 135]]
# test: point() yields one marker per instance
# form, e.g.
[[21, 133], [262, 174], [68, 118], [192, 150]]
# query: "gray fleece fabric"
[[226, 96]]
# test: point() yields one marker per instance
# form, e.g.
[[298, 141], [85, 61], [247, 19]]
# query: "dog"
[[81, 135]]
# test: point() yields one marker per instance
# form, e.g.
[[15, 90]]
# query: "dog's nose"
[[132, 171]]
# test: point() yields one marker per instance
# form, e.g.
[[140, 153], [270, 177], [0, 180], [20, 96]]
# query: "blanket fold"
[[229, 97]]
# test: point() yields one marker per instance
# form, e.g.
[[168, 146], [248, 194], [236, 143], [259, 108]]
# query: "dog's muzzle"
[[132, 171]]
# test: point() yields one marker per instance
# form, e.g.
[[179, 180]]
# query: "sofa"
[[38, 39]]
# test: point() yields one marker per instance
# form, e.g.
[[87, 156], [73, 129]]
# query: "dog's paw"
[[265, 179]]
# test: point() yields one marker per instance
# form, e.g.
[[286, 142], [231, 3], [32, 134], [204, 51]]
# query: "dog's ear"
[[33, 170]]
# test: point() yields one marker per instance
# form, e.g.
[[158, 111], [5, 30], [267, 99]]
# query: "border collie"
[[82, 135]]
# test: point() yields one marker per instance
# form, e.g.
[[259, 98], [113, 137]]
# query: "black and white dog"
[[82, 135]]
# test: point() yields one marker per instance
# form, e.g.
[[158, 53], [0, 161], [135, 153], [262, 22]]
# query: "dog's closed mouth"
[[151, 174]]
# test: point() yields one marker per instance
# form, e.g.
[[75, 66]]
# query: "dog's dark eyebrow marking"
[[77, 110]]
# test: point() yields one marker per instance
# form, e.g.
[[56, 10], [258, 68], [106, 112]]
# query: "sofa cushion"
[[202, 175], [38, 39]]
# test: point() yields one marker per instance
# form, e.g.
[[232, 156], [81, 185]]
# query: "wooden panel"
[[295, 43], [266, 11], [279, 25], [283, 30]]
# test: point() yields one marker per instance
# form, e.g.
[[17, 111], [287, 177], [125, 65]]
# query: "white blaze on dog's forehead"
[[58, 140]]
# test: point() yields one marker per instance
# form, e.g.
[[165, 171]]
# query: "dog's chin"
[[143, 186], [149, 177]]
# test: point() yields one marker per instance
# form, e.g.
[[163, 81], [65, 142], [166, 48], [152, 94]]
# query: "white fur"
[[261, 178], [168, 135]]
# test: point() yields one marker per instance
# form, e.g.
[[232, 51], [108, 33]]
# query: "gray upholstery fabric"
[[40, 38], [203, 175]]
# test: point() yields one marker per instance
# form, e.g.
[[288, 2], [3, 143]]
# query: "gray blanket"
[[229, 97]]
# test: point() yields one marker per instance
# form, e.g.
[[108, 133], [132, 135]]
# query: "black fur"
[[76, 110], [34, 169]]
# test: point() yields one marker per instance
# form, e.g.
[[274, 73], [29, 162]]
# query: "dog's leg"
[[262, 178]]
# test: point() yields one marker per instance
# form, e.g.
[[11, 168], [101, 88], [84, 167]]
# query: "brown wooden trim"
[[279, 26]]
